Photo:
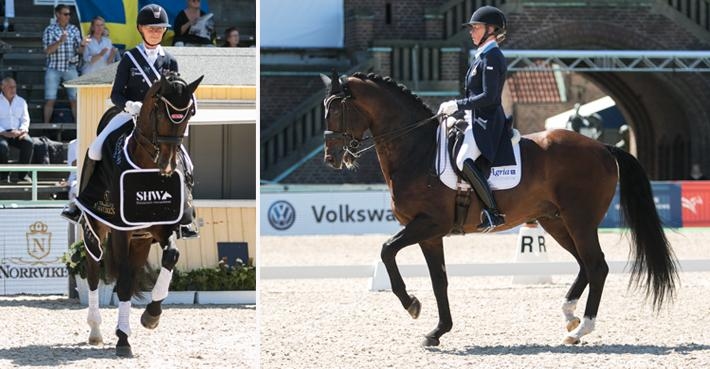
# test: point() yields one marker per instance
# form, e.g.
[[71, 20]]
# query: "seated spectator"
[[231, 37], [99, 51], [14, 127], [194, 27]]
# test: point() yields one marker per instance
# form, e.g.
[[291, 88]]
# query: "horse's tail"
[[650, 251]]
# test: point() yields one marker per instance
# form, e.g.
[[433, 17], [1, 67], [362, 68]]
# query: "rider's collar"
[[158, 49], [485, 48]]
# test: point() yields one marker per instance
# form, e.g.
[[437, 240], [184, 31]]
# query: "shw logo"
[[281, 215], [153, 195], [691, 203]]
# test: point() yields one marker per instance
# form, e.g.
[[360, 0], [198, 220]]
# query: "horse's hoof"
[[149, 321], [414, 308], [430, 341], [569, 340], [95, 341], [572, 324], [124, 351]]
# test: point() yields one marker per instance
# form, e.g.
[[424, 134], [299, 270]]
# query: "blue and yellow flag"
[[120, 16]]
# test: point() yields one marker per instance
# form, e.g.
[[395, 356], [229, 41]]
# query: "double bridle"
[[352, 143], [175, 115]]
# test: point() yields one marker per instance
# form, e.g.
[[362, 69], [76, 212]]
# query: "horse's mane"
[[390, 83]]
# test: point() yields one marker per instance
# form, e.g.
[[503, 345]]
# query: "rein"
[[355, 142]]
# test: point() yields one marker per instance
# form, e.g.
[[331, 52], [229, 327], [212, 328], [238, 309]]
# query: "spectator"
[[231, 37], [99, 51], [193, 27], [14, 127], [696, 174], [63, 44]]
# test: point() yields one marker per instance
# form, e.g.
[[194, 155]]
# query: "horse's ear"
[[164, 85], [326, 80], [193, 86], [335, 83]]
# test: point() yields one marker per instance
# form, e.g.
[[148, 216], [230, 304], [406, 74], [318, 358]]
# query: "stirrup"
[[187, 231], [490, 220], [71, 213]]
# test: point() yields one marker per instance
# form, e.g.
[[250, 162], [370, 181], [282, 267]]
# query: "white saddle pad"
[[501, 178]]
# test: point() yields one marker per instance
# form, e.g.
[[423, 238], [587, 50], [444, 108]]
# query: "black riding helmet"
[[489, 15], [152, 15]]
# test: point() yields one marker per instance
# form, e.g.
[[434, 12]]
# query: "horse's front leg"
[[420, 228], [92, 269], [124, 290], [151, 315], [434, 254]]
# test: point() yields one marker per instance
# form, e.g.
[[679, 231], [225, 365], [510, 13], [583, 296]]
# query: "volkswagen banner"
[[341, 212]]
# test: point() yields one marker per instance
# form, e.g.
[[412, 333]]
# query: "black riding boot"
[[490, 216], [71, 212]]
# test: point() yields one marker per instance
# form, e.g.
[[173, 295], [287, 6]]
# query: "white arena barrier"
[[531, 248]]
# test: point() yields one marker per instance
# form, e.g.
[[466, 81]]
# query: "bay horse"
[[568, 182], [153, 144]]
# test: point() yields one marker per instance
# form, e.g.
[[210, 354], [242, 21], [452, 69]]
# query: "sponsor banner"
[[32, 241], [695, 200], [666, 195], [341, 212]]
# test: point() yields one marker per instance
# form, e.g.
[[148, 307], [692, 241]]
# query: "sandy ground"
[[51, 332], [337, 323]]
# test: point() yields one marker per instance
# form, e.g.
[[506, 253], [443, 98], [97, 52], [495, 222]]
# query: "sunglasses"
[[66, 14]]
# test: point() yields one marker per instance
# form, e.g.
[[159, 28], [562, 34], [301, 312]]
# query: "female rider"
[[483, 88]]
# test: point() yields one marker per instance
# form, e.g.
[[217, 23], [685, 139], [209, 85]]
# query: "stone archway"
[[654, 104]]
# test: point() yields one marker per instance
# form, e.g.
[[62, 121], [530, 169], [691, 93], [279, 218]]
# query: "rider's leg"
[[71, 212], [490, 215], [114, 124]]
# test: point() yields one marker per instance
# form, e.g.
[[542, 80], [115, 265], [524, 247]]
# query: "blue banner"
[[121, 16], [666, 196]]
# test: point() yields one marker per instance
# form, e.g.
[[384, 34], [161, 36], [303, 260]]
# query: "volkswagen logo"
[[281, 215]]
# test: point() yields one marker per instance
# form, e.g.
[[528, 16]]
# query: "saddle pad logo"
[[281, 215], [153, 197]]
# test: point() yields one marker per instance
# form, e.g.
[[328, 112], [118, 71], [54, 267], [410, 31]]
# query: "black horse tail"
[[651, 253]]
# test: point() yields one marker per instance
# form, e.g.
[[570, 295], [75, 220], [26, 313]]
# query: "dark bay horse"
[[568, 182], [153, 144]]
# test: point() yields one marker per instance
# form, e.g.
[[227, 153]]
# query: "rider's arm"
[[492, 75], [123, 73]]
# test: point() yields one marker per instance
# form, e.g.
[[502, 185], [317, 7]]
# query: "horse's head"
[[166, 111], [345, 124]]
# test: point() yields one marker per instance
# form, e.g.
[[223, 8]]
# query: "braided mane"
[[388, 81]]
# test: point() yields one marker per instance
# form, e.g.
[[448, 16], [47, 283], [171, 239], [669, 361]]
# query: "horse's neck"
[[408, 152]]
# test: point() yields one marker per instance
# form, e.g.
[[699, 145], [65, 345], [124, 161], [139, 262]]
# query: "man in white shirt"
[[14, 127]]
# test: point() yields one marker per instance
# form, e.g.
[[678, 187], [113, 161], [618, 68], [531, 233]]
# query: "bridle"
[[352, 143], [175, 115]]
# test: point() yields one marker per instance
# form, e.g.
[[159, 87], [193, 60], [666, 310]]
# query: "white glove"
[[133, 107], [448, 107]]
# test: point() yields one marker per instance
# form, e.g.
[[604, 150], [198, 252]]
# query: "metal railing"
[[34, 169]]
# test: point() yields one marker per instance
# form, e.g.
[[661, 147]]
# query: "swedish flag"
[[120, 16]]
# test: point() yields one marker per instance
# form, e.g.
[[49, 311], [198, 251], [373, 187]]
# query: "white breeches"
[[469, 149], [115, 123]]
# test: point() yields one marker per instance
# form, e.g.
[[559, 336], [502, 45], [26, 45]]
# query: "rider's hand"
[[133, 107], [448, 107]]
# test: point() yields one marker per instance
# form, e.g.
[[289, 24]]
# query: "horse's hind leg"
[[434, 254], [556, 228], [92, 268], [120, 246], [151, 315], [586, 240]]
